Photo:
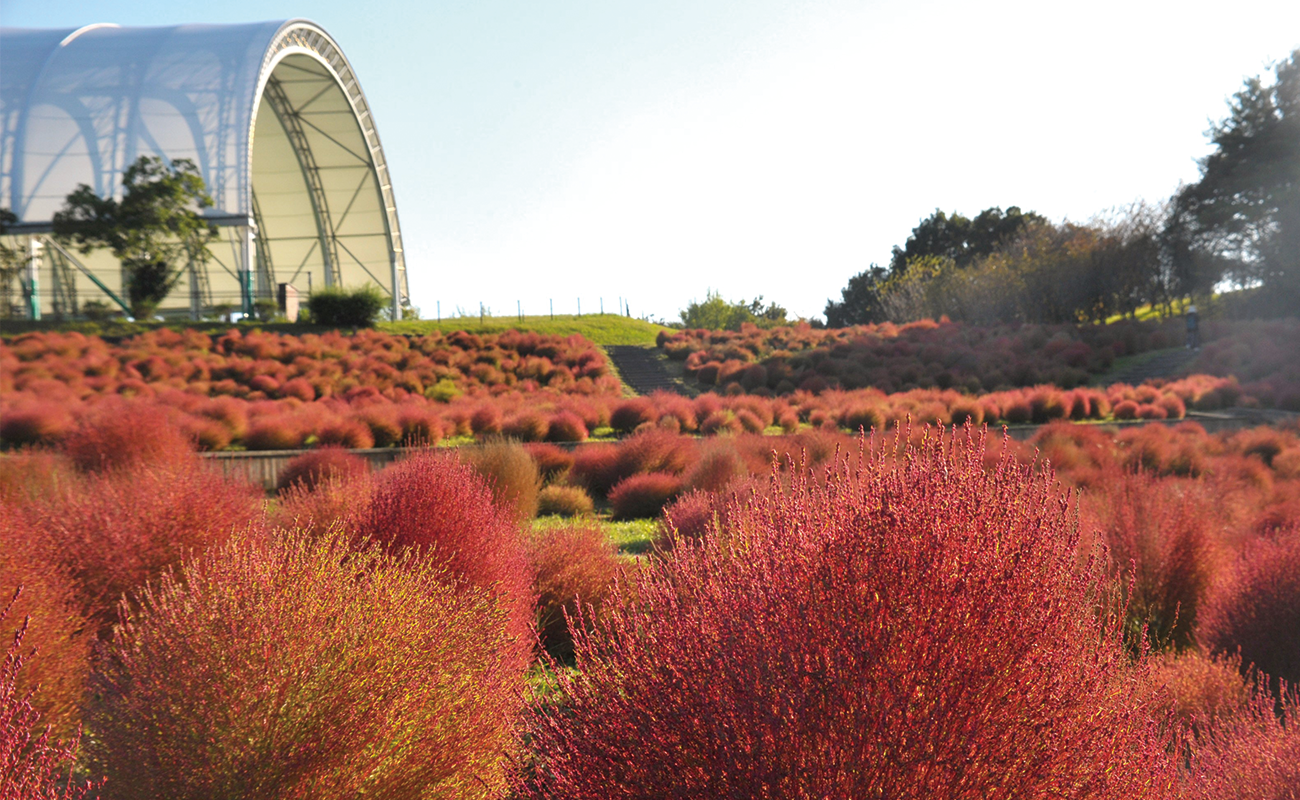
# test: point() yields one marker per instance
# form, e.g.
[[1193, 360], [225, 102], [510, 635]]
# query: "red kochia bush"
[[573, 565], [57, 631], [439, 505], [32, 763], [643, 495], [115, 531], [911, 627], [321, 464], [293, 668], [1255, 605], [1253, 754], [120, 435]]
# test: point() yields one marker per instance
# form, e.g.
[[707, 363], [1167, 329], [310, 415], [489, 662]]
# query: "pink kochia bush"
[[1255, 606], [1253, 754], [440, 506], [912, 626], [321, 464], [301, 667], [113, 532]]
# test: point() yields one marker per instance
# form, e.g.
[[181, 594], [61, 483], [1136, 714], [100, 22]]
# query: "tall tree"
[[154, 230], [860, 301], [959, 238], [1241, 220]]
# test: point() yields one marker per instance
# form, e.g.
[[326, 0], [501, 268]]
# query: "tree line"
[[1239, 224]]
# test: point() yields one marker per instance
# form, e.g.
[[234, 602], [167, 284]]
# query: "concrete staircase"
[[1164, 364], [643, 369]]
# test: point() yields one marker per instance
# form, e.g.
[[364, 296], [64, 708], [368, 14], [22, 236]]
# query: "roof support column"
[[247, 254], [33, 277]]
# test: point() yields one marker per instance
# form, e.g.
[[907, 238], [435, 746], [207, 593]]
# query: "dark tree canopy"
[[154, 230], [1241, 220], [960, 238], [860, 301]]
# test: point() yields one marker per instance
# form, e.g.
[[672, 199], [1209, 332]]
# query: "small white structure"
[[272, 115]]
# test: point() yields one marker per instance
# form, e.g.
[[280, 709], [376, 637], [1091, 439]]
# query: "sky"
[[593, 151]]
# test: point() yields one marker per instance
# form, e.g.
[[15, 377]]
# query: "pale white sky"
[[656, 150]]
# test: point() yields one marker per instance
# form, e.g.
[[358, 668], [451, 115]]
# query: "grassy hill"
[[602, 329]]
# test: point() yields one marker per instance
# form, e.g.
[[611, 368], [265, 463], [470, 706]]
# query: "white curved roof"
[[81, 105]]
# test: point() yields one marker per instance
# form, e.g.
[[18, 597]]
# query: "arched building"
[[272, 115]]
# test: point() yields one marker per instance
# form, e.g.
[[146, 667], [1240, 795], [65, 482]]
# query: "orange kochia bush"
[[907, 627], [300, 666]]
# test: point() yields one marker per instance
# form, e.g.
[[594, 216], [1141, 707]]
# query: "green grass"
[[603, 329], [633, 537]]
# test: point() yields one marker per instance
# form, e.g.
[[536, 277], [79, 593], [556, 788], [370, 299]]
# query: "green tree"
[[154, 230], [959, 238], [1241, 220], [860, 301], [12, 263], [717, 314]]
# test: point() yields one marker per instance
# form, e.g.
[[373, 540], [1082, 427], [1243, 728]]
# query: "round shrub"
[[573, 566], [352, 434], [527, 426], [323, 463], [511, 473], [644, 495], [383, 424], [1125, 409], [552, 462], [333, 503], [311, 671], [280, 432], [485, 419], [918, 627], [718, 464], [116, 531], [632, 414], [43, 424], [566, 426], [122, 435], [421, 427], [440, 506], [564, 501], [1255, 606], [967, 410]]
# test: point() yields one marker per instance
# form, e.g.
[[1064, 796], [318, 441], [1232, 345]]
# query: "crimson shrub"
[[643, 495], [573, 566], [1255, 606], [323, 463], [911, 627], [443, 507]]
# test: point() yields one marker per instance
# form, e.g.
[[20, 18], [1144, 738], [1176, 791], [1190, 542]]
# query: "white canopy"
[[272, 115]]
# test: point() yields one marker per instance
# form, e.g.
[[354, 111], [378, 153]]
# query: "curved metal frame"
[[300, 36]]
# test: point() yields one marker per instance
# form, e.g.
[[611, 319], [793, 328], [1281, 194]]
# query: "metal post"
[[580, 306], [552, 310], [602, 306], [247, 249], [196, 302], [397, 295], [439, 311], [519, 309], [33, 278]]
